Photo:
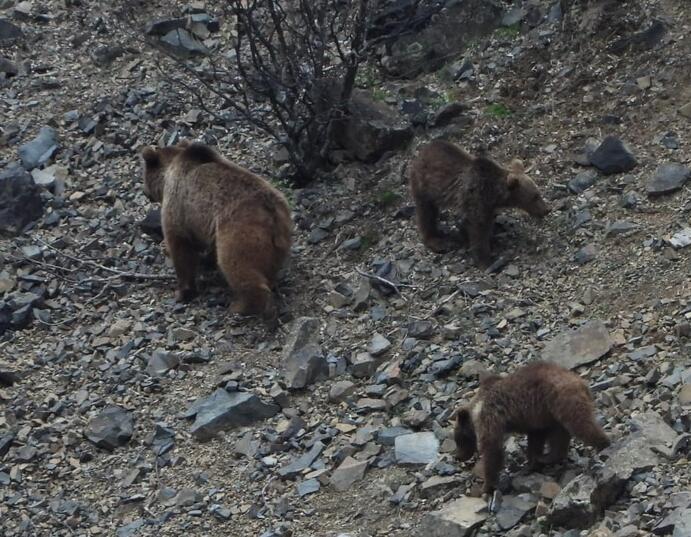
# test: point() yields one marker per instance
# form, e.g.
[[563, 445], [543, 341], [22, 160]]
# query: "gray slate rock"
[[573, 506], [182, 43], [583, 181], [387, 437], [613, 156], [223, 409], [341, 390], [309, 486], [455, 519], [681, 239], [350, 471], [514, 508], [39, 150], [620, 227], [438, 485], [660, 436], [668, 178], [112, 428], [305, 330], [421, 329], [9, 31], [416, 448], [574, 348], [378, 345], [585, 254], [363, 365], [630, 455], [20, 200], [5, 443], [8, 68], [301, 463], [163, 439], [306, 366], [161, 362], [678, 523]]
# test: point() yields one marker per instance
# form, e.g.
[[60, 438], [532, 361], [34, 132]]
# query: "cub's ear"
[[516, 166], [150, 156]]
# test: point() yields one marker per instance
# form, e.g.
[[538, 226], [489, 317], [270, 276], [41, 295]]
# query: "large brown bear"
[[207, 202], [543, 400], [445, 176]]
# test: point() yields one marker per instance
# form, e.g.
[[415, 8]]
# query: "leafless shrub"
[[288, 69]]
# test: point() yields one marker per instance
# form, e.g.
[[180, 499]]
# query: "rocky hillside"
[[127, 414]]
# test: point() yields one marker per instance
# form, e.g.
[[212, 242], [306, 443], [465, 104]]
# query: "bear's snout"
[[541, 210]]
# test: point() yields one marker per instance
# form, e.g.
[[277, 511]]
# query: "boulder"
[[574, 348], [613, 156], [371, 129], [20, 201], [111, 428]]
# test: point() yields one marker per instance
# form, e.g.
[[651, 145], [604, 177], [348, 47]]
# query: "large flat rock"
[[455, 519], [574, 348], [223, 410]]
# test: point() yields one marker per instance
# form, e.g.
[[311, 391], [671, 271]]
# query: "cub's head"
[[156, 161], [523, 192], [464, 434]]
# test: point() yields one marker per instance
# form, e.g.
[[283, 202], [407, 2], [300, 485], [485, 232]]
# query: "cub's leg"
[[575, 412], [427, 215], [184, 257], [492, 453], [558, 440], [479, 237], [536, 448]]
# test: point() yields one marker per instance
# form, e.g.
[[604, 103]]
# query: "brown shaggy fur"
[[445, 176], [543, 400], [209, 202]]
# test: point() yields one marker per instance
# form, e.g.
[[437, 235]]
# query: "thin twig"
[[118, 272], [394, 286], [446, 299]]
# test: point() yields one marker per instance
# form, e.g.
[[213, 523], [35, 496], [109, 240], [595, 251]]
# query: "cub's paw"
[[185, 295], [441, 245]]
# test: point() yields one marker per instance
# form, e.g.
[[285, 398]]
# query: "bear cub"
[[543, 400], [444, 176], [207, 202]]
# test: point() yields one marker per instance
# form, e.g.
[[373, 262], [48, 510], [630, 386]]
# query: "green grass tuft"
[[509, 32], [386, 198], [498, 110]]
